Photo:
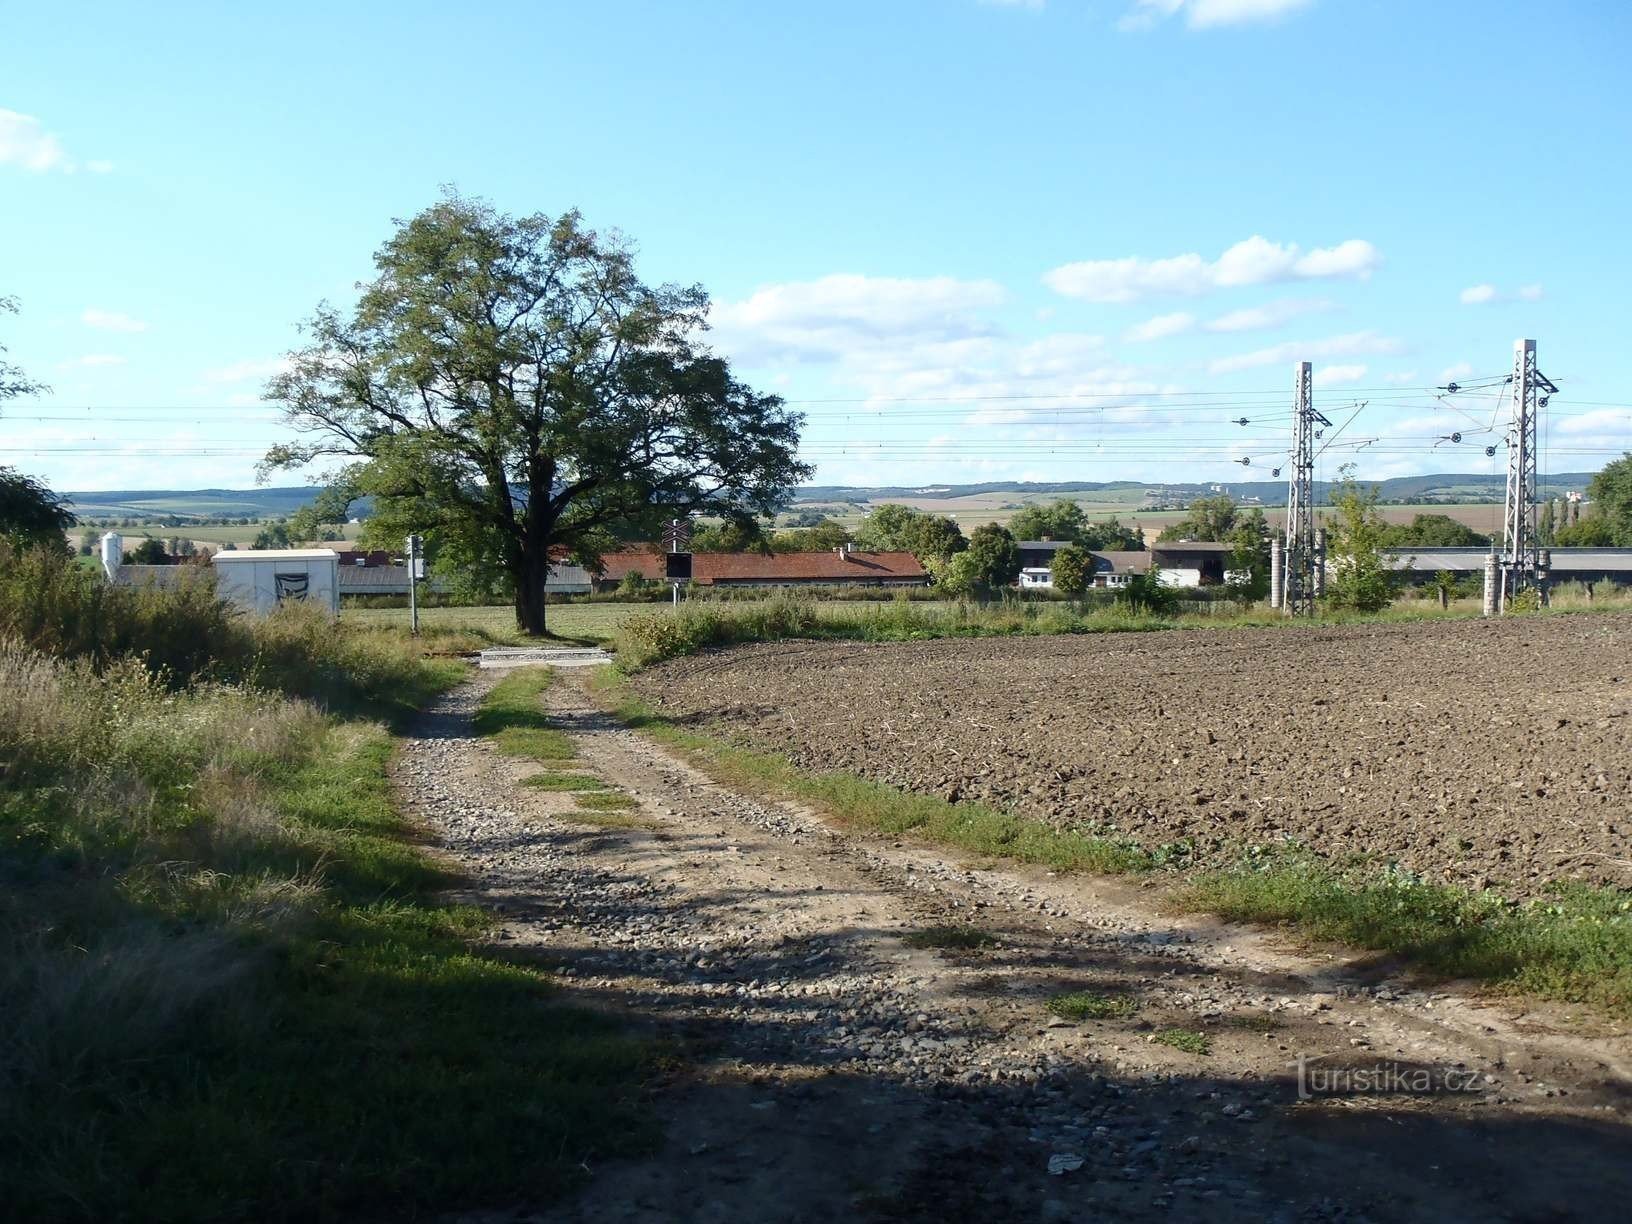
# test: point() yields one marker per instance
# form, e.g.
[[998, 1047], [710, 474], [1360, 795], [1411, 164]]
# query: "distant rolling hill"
[[191, 503], [1447, 487], [280, 502]]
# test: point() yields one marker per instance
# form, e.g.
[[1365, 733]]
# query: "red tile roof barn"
[[860, 568]]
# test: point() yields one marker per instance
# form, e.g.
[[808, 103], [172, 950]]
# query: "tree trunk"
[[532, 574]]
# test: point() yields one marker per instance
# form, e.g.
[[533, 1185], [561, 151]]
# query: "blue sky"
[[974, 241]]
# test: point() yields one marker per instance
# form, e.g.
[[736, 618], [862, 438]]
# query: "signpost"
[[415, 568], [677, 564]]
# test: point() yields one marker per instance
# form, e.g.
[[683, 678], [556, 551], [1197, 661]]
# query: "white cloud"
[[244, 371], [1353, 344], [1614, 421], [1339, 375], [1400, 378], [1271, 314], [111, 320], [1253, 261], [1452, 372], [1486, 294], [24, 142], [1058, 354], [1206, 14], [825, 319], [1160, 327], [90, 360]]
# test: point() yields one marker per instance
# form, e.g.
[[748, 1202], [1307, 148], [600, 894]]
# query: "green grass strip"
[[1575, 945], [571, 782], [606, 801], [512, 715]]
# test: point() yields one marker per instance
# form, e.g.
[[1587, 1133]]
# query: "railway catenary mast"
[[1299, 588], [1521, 546]]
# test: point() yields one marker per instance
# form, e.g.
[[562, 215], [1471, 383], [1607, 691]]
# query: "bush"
[[1147, 593], [185, 634]]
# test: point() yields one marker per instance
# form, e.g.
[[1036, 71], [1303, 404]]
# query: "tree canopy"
[[1611, 496], [1060, 519], [991, 562], [1433, 531], [896, 528], [28, 510], [510, 385], [1209, 518], [1063, 519], [1360, 579], [1071, 571], [31, 512], [1250, 555]]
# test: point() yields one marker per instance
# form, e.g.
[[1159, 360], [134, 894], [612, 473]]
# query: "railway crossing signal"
[[677, 561], [1301, 559]]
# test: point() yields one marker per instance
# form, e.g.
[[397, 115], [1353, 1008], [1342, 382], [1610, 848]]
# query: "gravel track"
[[1485, 754], [829, 1070]]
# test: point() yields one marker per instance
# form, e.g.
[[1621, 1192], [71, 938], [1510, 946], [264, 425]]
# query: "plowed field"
[[1486, 754]]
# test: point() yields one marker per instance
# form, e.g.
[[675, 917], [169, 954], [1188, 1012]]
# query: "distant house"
[[1191, 563], [1113, 568], [1186, 563], [1039, 554], [840, 567]]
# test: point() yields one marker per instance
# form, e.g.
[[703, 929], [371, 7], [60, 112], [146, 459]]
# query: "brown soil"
[[828, 1066], [1471, 752]]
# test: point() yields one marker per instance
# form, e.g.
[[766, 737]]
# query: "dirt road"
[[833, 1067]]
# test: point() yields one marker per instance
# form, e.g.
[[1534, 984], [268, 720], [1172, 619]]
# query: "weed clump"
[[1085, 1005], [960, 938]]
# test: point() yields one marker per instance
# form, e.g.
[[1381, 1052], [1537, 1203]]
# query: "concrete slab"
[[552, 656]]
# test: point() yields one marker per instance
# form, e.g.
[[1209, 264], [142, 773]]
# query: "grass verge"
[[512, 715], [228, 990], [1575, 946]]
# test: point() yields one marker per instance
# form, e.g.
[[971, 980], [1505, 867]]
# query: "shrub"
[[185, 633]]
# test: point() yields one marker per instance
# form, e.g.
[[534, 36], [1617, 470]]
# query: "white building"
[[256, 581], [259, 580]]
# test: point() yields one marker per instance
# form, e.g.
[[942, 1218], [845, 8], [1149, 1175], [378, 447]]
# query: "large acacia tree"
[[510, 386]]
